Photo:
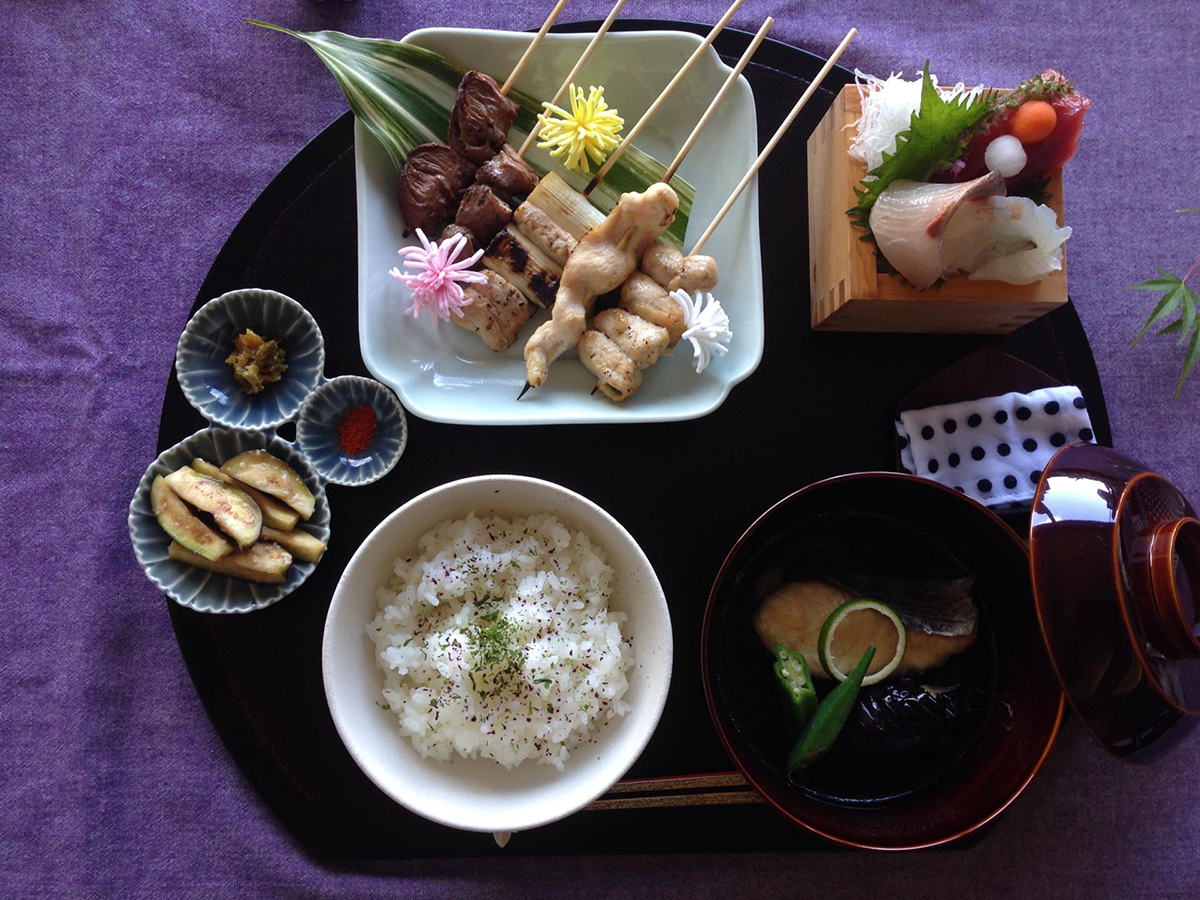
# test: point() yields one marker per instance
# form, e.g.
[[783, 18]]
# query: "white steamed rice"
[[569, 659]]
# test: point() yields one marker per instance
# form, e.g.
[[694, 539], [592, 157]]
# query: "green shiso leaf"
[[938, 133], [404, 94]]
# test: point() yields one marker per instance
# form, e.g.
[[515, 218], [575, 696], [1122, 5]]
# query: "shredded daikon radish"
[[887, 108]]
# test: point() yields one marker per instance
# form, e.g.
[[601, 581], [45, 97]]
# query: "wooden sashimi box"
[[848, 294]]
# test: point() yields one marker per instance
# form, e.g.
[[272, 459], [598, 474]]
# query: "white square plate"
[[445, 373]]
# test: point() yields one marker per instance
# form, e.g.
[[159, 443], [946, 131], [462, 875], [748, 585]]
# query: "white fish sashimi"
[[910, 218], [1009, 239]]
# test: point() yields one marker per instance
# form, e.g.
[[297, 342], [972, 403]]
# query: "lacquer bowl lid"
[[1115, 558]]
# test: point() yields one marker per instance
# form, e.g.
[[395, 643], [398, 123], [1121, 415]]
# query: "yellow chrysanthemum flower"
[[589, 129]]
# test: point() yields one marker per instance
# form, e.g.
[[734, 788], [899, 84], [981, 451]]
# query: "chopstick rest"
[[993, 449]]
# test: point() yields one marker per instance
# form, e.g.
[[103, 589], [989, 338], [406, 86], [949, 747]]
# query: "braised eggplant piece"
[[275, 513], [430, 187], [508, 175], [483, 213], [454, 230], [481, 118], [264, 562], [272, 476], [233, 510], [178, 522], [903, 714]]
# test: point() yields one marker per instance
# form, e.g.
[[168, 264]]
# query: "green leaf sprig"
[[1177, 299], [938, 133]]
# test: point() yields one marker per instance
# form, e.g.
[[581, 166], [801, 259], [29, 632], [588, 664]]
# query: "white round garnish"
[[1005, 155]]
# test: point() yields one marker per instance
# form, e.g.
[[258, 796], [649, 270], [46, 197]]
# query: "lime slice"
[[825, 641]]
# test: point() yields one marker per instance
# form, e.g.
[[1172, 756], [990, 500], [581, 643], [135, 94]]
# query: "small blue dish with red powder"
[[352, 430]]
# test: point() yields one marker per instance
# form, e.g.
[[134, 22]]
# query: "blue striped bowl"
[[200, 589], [317, 430], [207, 380]]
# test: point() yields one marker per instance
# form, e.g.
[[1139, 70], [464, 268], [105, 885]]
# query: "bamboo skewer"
[[662, 97], [716, 101], [537, 39], [587, 52], [816, 82]]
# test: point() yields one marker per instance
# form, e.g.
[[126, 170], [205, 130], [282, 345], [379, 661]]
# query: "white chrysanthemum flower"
[[707, 326]]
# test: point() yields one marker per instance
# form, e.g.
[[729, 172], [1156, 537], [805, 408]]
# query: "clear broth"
[[865, 544]]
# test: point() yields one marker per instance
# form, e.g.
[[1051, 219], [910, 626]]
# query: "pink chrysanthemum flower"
[[435, 285]]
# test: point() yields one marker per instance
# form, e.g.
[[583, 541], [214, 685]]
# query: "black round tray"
[[820, 404]]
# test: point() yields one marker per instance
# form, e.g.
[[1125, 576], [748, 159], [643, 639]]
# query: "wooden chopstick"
[[716, 101], [685, 790], [587, 52], [537, 39], [666, 92], [762, 157]]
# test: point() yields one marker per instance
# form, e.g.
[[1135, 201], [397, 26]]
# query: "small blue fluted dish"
[[317, 430], [207, 380], [200, 589]]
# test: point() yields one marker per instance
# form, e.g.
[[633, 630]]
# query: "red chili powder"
[[356, 429]]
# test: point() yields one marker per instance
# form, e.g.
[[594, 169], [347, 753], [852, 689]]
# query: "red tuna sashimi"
[[1044, 156]]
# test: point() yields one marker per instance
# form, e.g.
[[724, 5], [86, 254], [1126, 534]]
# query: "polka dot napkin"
[[993, 449]]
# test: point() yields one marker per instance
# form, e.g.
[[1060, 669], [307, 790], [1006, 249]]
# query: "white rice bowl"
[[496, 640], [478, 794]]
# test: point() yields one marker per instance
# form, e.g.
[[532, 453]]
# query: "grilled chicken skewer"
[[603, 259]]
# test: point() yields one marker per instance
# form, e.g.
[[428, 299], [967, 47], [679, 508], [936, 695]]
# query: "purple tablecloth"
[[135, 135]]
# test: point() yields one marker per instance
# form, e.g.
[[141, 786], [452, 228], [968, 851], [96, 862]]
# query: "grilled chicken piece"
[[481, 118], [508, 175], [603, 259], [699, 273], [430, 186], [645, 297], [617, 374], [515, 258], [674, 271], [642, 341], [537, 225], [662, 263], [496, 313], [453, 230], [483, 212]]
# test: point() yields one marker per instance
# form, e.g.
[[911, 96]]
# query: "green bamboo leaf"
[[404, 95], [1189, 311], [1165, 307], [1154, 284], [1193, 356]]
